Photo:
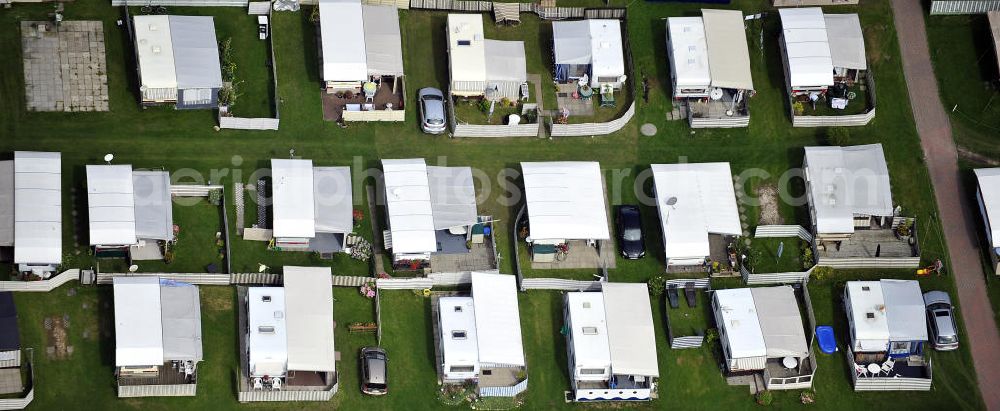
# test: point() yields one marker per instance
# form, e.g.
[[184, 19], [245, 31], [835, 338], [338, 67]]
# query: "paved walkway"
[[957, 217]]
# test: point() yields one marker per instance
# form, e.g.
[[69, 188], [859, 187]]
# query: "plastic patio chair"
[[888, 365], [672, 296], [860, 370]]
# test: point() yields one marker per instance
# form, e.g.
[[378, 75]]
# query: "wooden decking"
[[581, 255], [869, 244]]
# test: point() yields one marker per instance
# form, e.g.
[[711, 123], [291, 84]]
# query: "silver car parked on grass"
[[432, 111], [941, 321]]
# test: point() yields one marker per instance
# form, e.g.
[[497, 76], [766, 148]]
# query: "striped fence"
[[244, 123], [719, 122], [939, 7], [698, 283], [453, 5], [404, 283], [559, 284], [778, 231], [255, 278], [800, 3], [259, 8], [853, 120], [229, 279], [775, 278], [688, 342], [496, 131], [286, 395], [593, 129], [869, 262], [171, 390], [510, 391], [189, 190], [452, 279], [18, 403], [181, 3], [42, 286]]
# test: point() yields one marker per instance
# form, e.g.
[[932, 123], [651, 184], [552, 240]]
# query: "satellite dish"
[[133, 268], [108, 157]]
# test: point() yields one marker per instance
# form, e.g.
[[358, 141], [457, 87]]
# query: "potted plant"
[[904, 230]]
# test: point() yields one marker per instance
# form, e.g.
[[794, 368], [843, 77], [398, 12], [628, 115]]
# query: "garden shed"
[[988, 198], [695, 201], [312, 206], [178, 60]]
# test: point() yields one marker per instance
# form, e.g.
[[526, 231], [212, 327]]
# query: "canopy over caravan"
[[565, 201], [844, 182], [31, 210], [728, 54], [128, 207], [631, 336], [988, 196], [383, 41], [806, 49], [468, 54], [907, 317], [178, 59], [309, 318], [847, 41], [780, 322], [498, 320], [312, 206], [589, 48], [694, 201]]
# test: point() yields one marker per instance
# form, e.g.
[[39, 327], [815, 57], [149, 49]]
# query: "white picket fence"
[[404, 283], [779, 231], [18, 403], [775, 278], [451, 279], [559, 284], [963, 6], [42, 286], [691, 341], [497, 131], [243, 123], [181, 3], [593, 129], [186, 190], [870, 262]]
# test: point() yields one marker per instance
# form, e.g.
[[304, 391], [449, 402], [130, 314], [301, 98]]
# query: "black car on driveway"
[[630, 238]]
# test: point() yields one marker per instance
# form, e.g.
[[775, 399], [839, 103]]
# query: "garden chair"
[[276, 384], [860, 370], [672, 296], [690, 295], [888, 365], [258, 384], [524, 92]]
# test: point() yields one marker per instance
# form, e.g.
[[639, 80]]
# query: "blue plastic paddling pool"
[[827, 341]]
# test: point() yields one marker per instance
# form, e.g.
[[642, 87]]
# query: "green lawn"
[[186, 140], [197, 245], [765, 257]]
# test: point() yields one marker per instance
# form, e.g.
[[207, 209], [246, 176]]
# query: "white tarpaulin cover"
[[590, 349], [989, 189], [689, 52], [780, 322], [571, 42], [868, 316], [267, 341], [704, 203], [565, 200], [606, 50], [154, 216], [309, 312], [498, 321], [905, 312], [466, 51], [453, 196], [155, 51], [807, 48], [111, 205], [383, 42], [293, 202], [37, 207], [138, 327], [181, 317], [847, 42], [343, 40], [728, 54], [631, 336], [844, 181], [196, 52], [333, 201], [408, 201], [6, 203], [740, 325], [506, 61]]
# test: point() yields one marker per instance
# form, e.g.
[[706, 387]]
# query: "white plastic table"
[[874, 368], [789, 362]]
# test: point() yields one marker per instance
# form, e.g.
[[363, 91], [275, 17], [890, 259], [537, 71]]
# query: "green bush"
[[838, 136], [765, 397], [215, 197], [657, 285], [821, 273], [807, 256]]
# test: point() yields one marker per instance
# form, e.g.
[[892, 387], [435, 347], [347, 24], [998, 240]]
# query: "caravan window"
[[589, 330], [462, 368], [591, 371], [899, 347], [458, 334]]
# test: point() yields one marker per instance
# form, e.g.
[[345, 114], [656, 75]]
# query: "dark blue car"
[[630, 238]]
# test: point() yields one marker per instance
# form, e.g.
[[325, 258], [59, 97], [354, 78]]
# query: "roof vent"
[[458, 308], [586, 304], [266, 329], [870, 315], [156, 49], [279, 315], [865, 288], [589, 330], [265, 298], [153, 27]]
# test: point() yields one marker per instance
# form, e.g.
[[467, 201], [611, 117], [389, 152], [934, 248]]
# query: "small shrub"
[[821, 273], [314, 15], [807, 256], [711, 336], [484, 105], [168, 257], [220, 243], [838, 136], [657, 285], [765, 398], [215, 197], [798, 108]]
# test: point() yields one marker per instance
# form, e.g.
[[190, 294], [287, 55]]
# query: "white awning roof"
[[689, 52], [566, 200], [989, 189], [138, 326], [408, 201], [844, 181], [154, 216], [705, 203], [868, 316], [905, 312], [181, 317], [458, 314], [333, 200], [606, 49], [37, 207], [571, 42], [309, 318], [111, 205], [741, 326], [453, 196], [267, 341], [728, 54], [498, 321], [780, 321], [591, 348], [631, 336], [155, 51], [506, 61], [466, 48], [196, 52], [6, 203], [383, 42], [293, 201], [847, 42], [343, 40], [807, 47]]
